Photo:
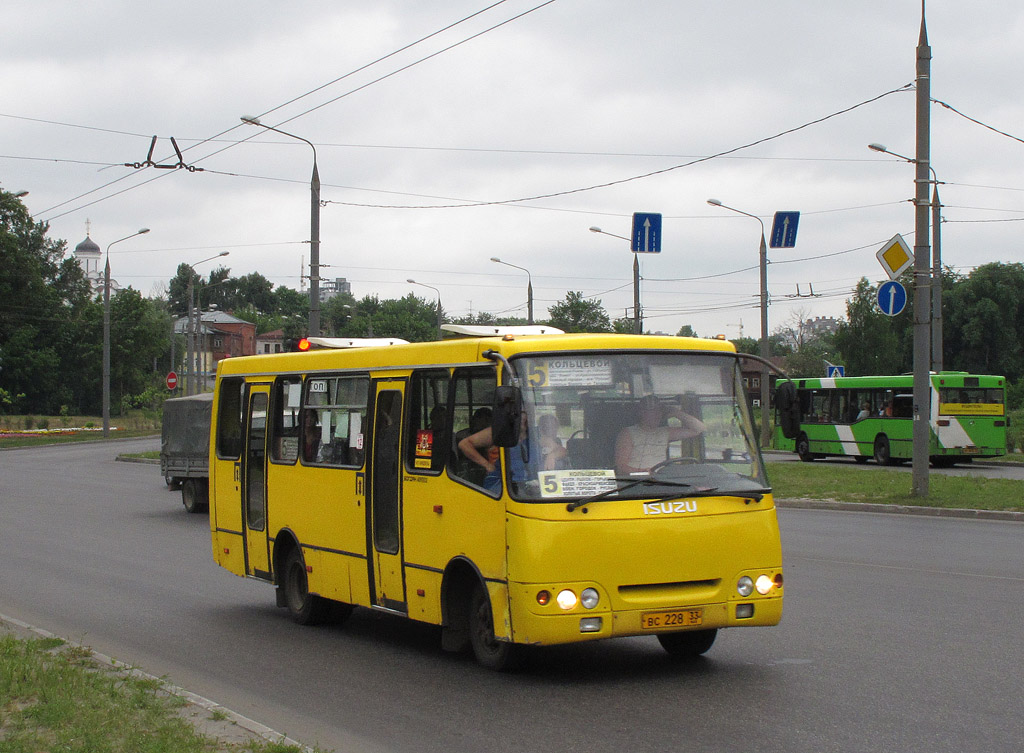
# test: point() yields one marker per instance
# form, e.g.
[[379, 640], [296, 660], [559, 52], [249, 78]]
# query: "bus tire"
[[305, 608], [882, 453], [803, 448], [688, 644], [489, 651]]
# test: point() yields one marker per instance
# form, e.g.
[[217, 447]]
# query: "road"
[[989, 469], [901, 633]]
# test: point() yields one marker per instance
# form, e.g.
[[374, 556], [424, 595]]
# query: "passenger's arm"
[[471, 446]]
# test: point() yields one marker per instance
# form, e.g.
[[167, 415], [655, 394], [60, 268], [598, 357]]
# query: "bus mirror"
[[788, 405], [508, 410]]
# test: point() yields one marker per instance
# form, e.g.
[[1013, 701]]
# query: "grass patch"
[[889, 486], [56, 697]]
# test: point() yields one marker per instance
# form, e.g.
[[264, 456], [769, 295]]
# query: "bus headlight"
[[764, 584], [566, 599], [745, 586], [589, 598]]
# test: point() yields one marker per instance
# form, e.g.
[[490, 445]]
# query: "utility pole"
[[922, 270]]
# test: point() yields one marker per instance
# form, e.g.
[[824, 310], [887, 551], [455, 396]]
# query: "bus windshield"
[[633, 425]]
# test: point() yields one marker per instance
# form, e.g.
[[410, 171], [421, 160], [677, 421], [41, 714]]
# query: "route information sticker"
[[576, 483]]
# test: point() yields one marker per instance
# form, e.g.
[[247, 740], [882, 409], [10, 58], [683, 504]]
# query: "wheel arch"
[[461, 577], [284, 543]]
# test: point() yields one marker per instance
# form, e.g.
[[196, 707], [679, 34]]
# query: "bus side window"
[[471, 398], [229, 419], [284, 407], [338, 406], [428, 438]]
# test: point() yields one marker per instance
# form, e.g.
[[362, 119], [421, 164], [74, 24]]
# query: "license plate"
[[676, 618]]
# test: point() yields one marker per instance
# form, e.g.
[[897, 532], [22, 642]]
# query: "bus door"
[[254, 483], [385, 502]]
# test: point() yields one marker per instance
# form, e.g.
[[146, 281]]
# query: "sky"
[[449, 133]]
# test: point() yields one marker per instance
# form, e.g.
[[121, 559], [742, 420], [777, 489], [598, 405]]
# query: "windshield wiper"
[[630, 483]]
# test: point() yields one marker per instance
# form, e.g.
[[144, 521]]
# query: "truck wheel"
[[195, 494]]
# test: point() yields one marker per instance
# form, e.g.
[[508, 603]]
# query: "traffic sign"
[[834, 371], [172, 380], [784, 229], [646, 238], [895, 256], [892, 297]]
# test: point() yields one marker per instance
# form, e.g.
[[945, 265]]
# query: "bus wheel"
[[304, 607], [489, 651], [803, 448], [860, 459], [882, 455], [688, 644]]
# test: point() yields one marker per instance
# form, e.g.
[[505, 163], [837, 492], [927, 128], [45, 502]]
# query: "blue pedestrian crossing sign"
[[646, 238], [784, 229], [834, 371], [892, 297]]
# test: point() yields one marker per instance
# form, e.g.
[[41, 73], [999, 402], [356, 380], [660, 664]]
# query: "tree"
[[42, 294], [869, 342], [577, 314], [410, 318], [686, 331], [983, 322]]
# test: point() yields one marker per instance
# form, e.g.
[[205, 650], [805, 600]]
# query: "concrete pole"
[[922, 271]]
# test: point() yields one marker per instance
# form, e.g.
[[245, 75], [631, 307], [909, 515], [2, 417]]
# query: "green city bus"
[[872, 417]]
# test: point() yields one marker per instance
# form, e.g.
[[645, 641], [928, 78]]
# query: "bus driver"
[[643, 445]]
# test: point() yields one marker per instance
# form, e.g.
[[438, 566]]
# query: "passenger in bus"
[[643, 445], [310, 437], [551, 449], [480, 449], [865, 411]]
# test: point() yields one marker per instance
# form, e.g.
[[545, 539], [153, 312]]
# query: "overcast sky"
[[422, 155]]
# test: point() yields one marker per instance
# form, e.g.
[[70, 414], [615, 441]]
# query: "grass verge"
[[54, 696], [890, 486]]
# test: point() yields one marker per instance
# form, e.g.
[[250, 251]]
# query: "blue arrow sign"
[[784, 229], [892, 297], [646, 238]]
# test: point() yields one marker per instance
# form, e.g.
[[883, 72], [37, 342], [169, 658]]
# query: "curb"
[[935, 512], [232, 718]]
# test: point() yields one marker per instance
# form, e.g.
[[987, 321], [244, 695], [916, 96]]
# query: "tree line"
[[51, 329]]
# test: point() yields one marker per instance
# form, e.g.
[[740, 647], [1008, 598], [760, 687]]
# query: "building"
[[89, 258], [329, 289], [270, 342], [218, 335]]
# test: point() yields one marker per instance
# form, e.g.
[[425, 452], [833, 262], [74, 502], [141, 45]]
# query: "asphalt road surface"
[[901, 633]]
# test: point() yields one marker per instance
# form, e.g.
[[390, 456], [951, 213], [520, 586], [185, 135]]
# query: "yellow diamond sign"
[[895, 256]]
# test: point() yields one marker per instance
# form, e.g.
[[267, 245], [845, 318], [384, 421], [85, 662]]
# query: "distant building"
[[218, 335], [89, 258], [331, 288], [820, 326], [270, 342]]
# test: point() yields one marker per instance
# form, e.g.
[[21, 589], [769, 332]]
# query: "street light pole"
[[936, 204], [638, 319], [106, 332], [421, 284], [529, 287], [192, 352], [314, 228], [763, 265]]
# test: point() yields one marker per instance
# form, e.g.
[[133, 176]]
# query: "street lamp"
[[936, 321], [638, 321], [763, 263], [106, 332], [192, 355], [424, 285], [314, 228], [529, 287]]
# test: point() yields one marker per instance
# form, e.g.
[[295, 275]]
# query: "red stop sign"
[[172, 380]]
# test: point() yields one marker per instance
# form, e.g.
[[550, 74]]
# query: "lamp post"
[[424, 285], [638, 319], [314, 228], [763, 265], [529, 287], [106, 332], [936, 319], [192, 354]]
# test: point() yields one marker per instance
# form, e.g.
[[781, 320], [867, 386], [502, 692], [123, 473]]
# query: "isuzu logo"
[[670, 508]]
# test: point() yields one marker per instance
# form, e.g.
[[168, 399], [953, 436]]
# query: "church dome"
[[87, 247]]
